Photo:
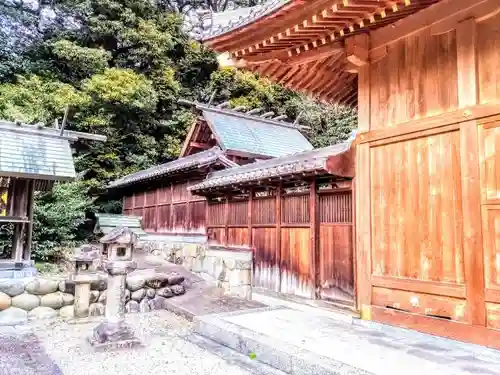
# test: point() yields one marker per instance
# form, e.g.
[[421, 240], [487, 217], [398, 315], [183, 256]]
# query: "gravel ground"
[[165, 351]]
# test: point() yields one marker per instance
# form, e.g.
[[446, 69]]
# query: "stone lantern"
[[114, 331], [82, 278]]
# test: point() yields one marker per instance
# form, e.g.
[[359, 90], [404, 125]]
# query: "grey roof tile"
[[189, 162], [107, 222], [203, 25], [307, 161]]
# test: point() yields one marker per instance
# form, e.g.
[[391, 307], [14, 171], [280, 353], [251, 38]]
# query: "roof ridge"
[[235, 113]]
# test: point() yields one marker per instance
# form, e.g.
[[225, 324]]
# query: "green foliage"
[[82, 60], [122, 87], [59, 216], [33, 99]]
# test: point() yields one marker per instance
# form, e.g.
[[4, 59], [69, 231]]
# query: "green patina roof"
[[107, 222], [255, 135], [33, 152]]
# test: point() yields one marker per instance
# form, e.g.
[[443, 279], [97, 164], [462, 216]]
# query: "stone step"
[[231, 356], [280, 355]]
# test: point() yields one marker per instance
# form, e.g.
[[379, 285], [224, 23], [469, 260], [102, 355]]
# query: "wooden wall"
[[170, 208], [303, 241], [428, 179]]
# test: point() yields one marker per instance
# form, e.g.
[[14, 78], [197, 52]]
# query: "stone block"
[[135, 282], [41, 286], [26, 301], [67, 286], [52, 300], [94, 296], [13, 316], [67, 312], [132, 307], [138, 295], [42, 312], [5, 301], [144, 306], [96, 309], [12, 287]]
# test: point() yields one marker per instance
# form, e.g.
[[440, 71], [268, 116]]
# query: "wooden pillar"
[[249, 219], [157, 210], [278, 239], [363, 230], [171, 227], [226, 221], [31, 203], [20, 205], [313, 238]]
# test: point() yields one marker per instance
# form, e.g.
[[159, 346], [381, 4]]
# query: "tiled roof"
[[204, 25], [254, 135], [107, 222], [35, 152], [308, 161], [190, 162]]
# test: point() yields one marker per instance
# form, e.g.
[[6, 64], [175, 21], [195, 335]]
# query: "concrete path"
[[301, 340]]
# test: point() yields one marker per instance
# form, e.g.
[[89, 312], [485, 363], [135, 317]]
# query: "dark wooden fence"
[[303, 240]]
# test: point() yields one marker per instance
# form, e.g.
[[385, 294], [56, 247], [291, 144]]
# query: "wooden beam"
[[357, 49], [440, 12], [468, 94], [364, 97], [472, 224], [342, 165], [316, 54], [203, 146]]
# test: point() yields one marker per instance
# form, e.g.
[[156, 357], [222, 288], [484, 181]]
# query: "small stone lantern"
[[82, 279], [114, 331]]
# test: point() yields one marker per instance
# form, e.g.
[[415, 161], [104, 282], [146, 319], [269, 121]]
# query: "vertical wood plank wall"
[[168, 209], [428, 200], [281, 229]]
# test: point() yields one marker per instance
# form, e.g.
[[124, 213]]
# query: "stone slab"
[[207, 302], [299, 343]]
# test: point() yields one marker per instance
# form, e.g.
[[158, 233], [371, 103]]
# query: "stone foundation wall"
[[230, 267], [44, 298]]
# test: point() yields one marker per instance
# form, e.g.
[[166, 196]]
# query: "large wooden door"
[[336, 266]]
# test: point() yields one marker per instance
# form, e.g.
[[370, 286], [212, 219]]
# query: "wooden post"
[[21, 192], [313, 238], [278, 239], [249, 219], [157, 209], [31, 203], [171, 228], [472, 224], [354, 247], [363, 230], [226, 221]]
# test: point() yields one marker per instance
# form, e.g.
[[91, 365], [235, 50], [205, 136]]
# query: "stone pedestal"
[[114, 332], [82, 294]]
